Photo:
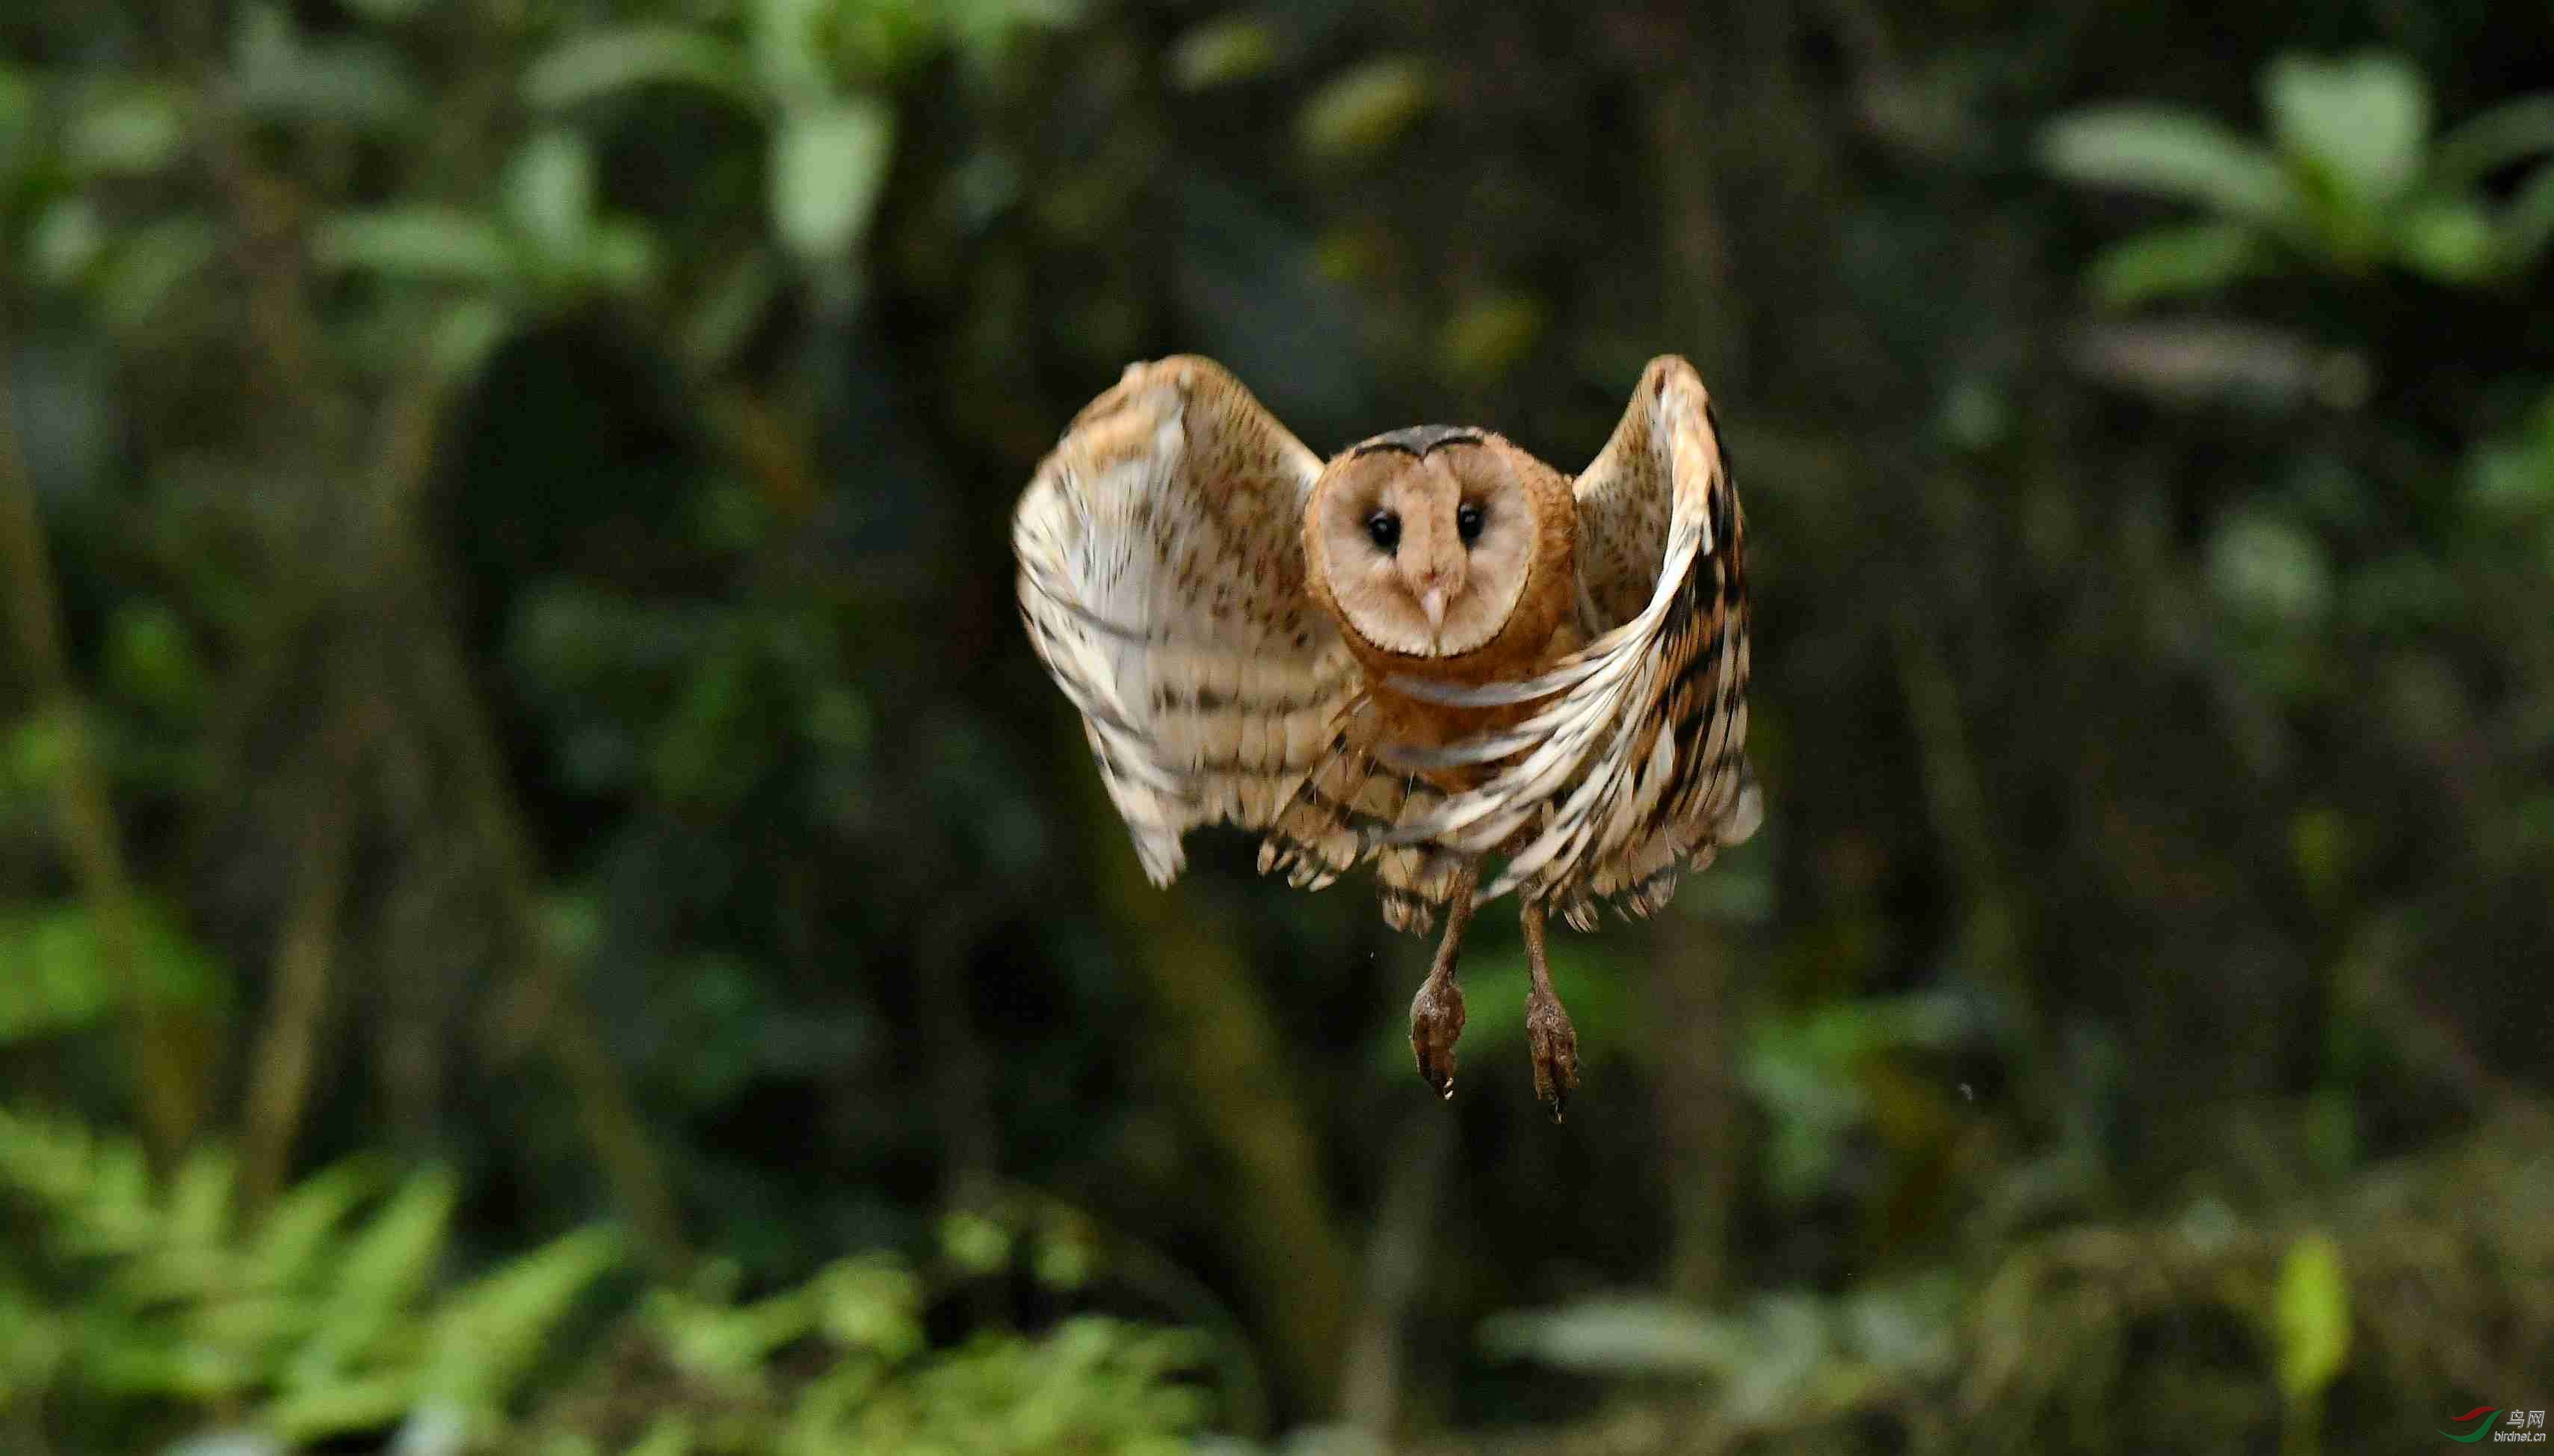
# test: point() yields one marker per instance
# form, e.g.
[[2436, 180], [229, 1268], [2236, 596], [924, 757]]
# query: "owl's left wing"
[[1634, 767], [1161, 577]]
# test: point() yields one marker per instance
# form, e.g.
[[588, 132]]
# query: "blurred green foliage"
[[511, 671], [130, 1304]]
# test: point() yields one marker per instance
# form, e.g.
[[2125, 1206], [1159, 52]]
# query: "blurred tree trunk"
[[1211, 1036], [1698, 1106], [1396, 1265]]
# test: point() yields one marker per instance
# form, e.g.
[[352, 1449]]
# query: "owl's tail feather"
[[1339, 817]]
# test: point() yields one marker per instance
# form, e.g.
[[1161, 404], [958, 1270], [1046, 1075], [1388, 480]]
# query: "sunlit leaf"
[[828, 166], [377, 1278], [2310, 1314], [347, 1405], [415, 244], [597, 64], [2174, 154], [1627, 1335], [1220, 51], [2175, 262], [2366, 120], [2452, 241], [298, 1230], [549, 192], [2267, 569], [870, 1303], [65, 241], [788, 45], [487, 1335], [1365, 108], [131, 130], [63, 973], [279, 76], [974, 1243]]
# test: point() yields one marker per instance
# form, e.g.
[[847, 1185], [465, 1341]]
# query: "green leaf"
[[976, 1244], [873, 1305], [789, 59], [415, 244], [343, 1406], [294, 1241], [1222, 51], [1633, 1335], [2452, 241], [2310, 1315], [2270, 570], [279, 76], [2480, 146], [387, 12], [61, 977], [2167, 153], [466, 335], [199, 1199], [828, 166], [600, 63], [549, 193], [487, 1336], [131, 130], [1365, 108], [2176, 262], [65, 241], [2364, 121], [143, 270]]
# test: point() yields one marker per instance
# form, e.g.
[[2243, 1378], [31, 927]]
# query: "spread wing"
[[1634, 768], [1162, 580]]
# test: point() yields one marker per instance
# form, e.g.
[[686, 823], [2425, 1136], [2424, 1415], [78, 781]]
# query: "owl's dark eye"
[[1467, 522], [1385, 527]]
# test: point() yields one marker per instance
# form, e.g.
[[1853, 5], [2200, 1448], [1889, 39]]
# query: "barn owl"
[[1430, 652]]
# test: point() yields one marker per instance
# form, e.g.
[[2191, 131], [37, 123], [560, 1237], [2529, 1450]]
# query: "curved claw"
[[1436, 1024], [1554, 1044]]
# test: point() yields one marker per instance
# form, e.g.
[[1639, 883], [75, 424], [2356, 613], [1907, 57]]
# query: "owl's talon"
[[1436, 1024], [1549, 1037], [1436, 1012], [1554, 1044]]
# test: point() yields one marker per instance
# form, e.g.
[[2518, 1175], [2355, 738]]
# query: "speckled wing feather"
[[1343, 813], [1634, 769], [1162, 581]]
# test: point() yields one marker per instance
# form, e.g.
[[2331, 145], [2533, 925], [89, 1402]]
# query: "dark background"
[[546, 906]]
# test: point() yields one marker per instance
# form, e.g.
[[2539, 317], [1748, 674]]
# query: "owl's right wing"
[[1161, 576]]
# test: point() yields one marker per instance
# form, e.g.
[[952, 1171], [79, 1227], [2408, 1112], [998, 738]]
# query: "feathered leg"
[[1436, 1012], [1549, 1035]]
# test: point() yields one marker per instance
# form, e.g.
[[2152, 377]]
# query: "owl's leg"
[[1436, 1012], [1549, 1035]]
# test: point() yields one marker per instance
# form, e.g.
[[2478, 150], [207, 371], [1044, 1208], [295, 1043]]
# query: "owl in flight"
[[1432, 651]]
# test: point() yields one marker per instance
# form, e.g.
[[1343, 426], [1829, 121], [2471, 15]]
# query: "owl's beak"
[[1432, 602]]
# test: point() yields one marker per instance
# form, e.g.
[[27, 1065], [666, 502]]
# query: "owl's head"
[[1424, 538]]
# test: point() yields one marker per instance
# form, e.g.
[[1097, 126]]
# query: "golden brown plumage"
[[1433, 650]]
